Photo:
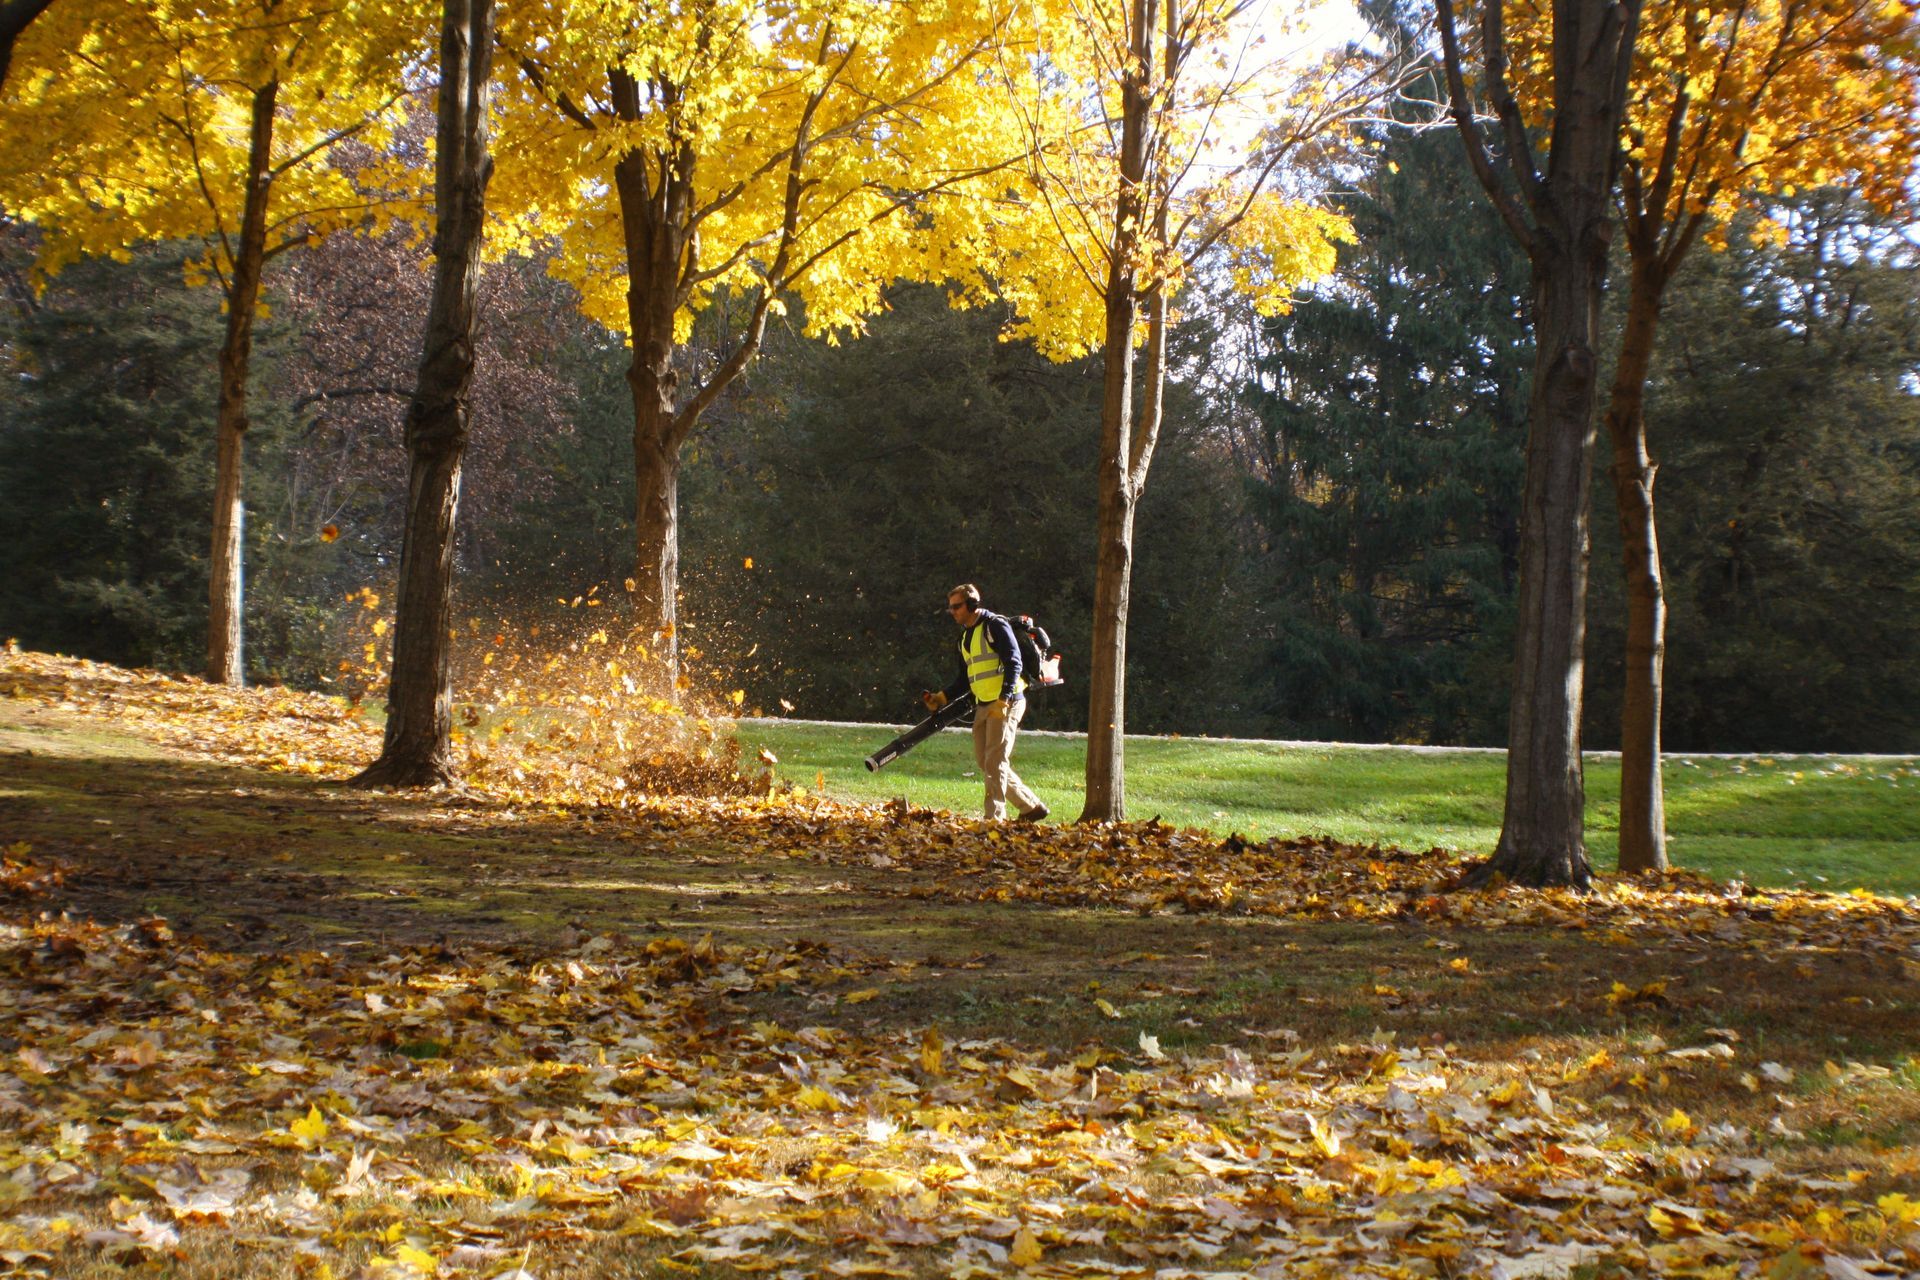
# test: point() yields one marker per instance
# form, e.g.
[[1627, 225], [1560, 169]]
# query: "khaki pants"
[[993, 730]]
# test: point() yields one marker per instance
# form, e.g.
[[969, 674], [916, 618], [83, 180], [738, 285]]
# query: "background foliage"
[[106, 457], [1326, 551]]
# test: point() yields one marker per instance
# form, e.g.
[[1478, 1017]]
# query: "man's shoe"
[[1036, 814]]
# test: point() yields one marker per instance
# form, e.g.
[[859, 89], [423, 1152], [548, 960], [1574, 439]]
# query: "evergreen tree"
[[1387, 466], [863, 480], [106, 466]]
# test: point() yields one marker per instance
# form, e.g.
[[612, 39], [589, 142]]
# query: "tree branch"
[[1476, 147], [538, 78], [1153, 401], [1622, 53], [339, 135], [1493, 37], [349, 393]]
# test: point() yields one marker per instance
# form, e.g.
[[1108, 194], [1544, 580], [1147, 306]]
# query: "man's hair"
[[968, 592]]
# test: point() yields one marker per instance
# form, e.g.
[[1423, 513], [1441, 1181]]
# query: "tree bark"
[[226, 603], [1643, 823], [656, 460], [15, 17], [1542, 837], [654, 212], [418, 750], [1113, 580], [1560, 212], [1658, 238], [1119, 490]]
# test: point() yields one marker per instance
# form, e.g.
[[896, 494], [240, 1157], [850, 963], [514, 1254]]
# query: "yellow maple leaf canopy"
[[1225, 115], [815, 146], [127, 123]]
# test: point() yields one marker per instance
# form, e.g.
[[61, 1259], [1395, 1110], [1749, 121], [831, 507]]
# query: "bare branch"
[[349, 393], [1152, 404], [1476, 146], [1493, 51]]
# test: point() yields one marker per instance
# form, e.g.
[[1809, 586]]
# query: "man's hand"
[[933, 698]]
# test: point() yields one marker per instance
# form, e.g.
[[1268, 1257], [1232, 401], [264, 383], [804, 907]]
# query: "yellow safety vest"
[[985, 675]]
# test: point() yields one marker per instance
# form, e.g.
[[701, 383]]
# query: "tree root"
[[398, 771], [1567, 869]]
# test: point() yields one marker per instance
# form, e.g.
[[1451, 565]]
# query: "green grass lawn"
[[1770, 820]]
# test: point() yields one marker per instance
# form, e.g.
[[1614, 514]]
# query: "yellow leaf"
[[814, 1098], [1105, 1007], [1670, 1219], [1899, 1208], [860, 997], [1678, 1122], [886, 1181], [1026, 1250], [310, 1130], [932, 1052], [419, 1259]]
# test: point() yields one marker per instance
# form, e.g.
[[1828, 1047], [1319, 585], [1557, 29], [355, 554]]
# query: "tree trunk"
[[226, 593], [419, 740], [1561, 212], [1119, 490], [653, 215], [1542, 840], [1113, 579], [656, 461], [1643, 822], [226, 604]]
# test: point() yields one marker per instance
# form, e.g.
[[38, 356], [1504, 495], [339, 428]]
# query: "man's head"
[[963, 604]]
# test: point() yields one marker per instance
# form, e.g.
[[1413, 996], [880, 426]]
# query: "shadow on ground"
[[260, 861]]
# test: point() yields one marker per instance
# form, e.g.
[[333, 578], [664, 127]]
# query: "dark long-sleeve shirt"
[[1000, 640]]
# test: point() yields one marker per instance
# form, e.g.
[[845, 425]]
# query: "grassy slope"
[[1770, 820]]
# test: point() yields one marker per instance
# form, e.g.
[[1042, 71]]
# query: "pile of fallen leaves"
[[693, 789], [1149, 867], [569, 727], [22, 877], [283, 730], [511, 1112]]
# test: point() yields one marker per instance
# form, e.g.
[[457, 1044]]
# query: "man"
[[990, 668]]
